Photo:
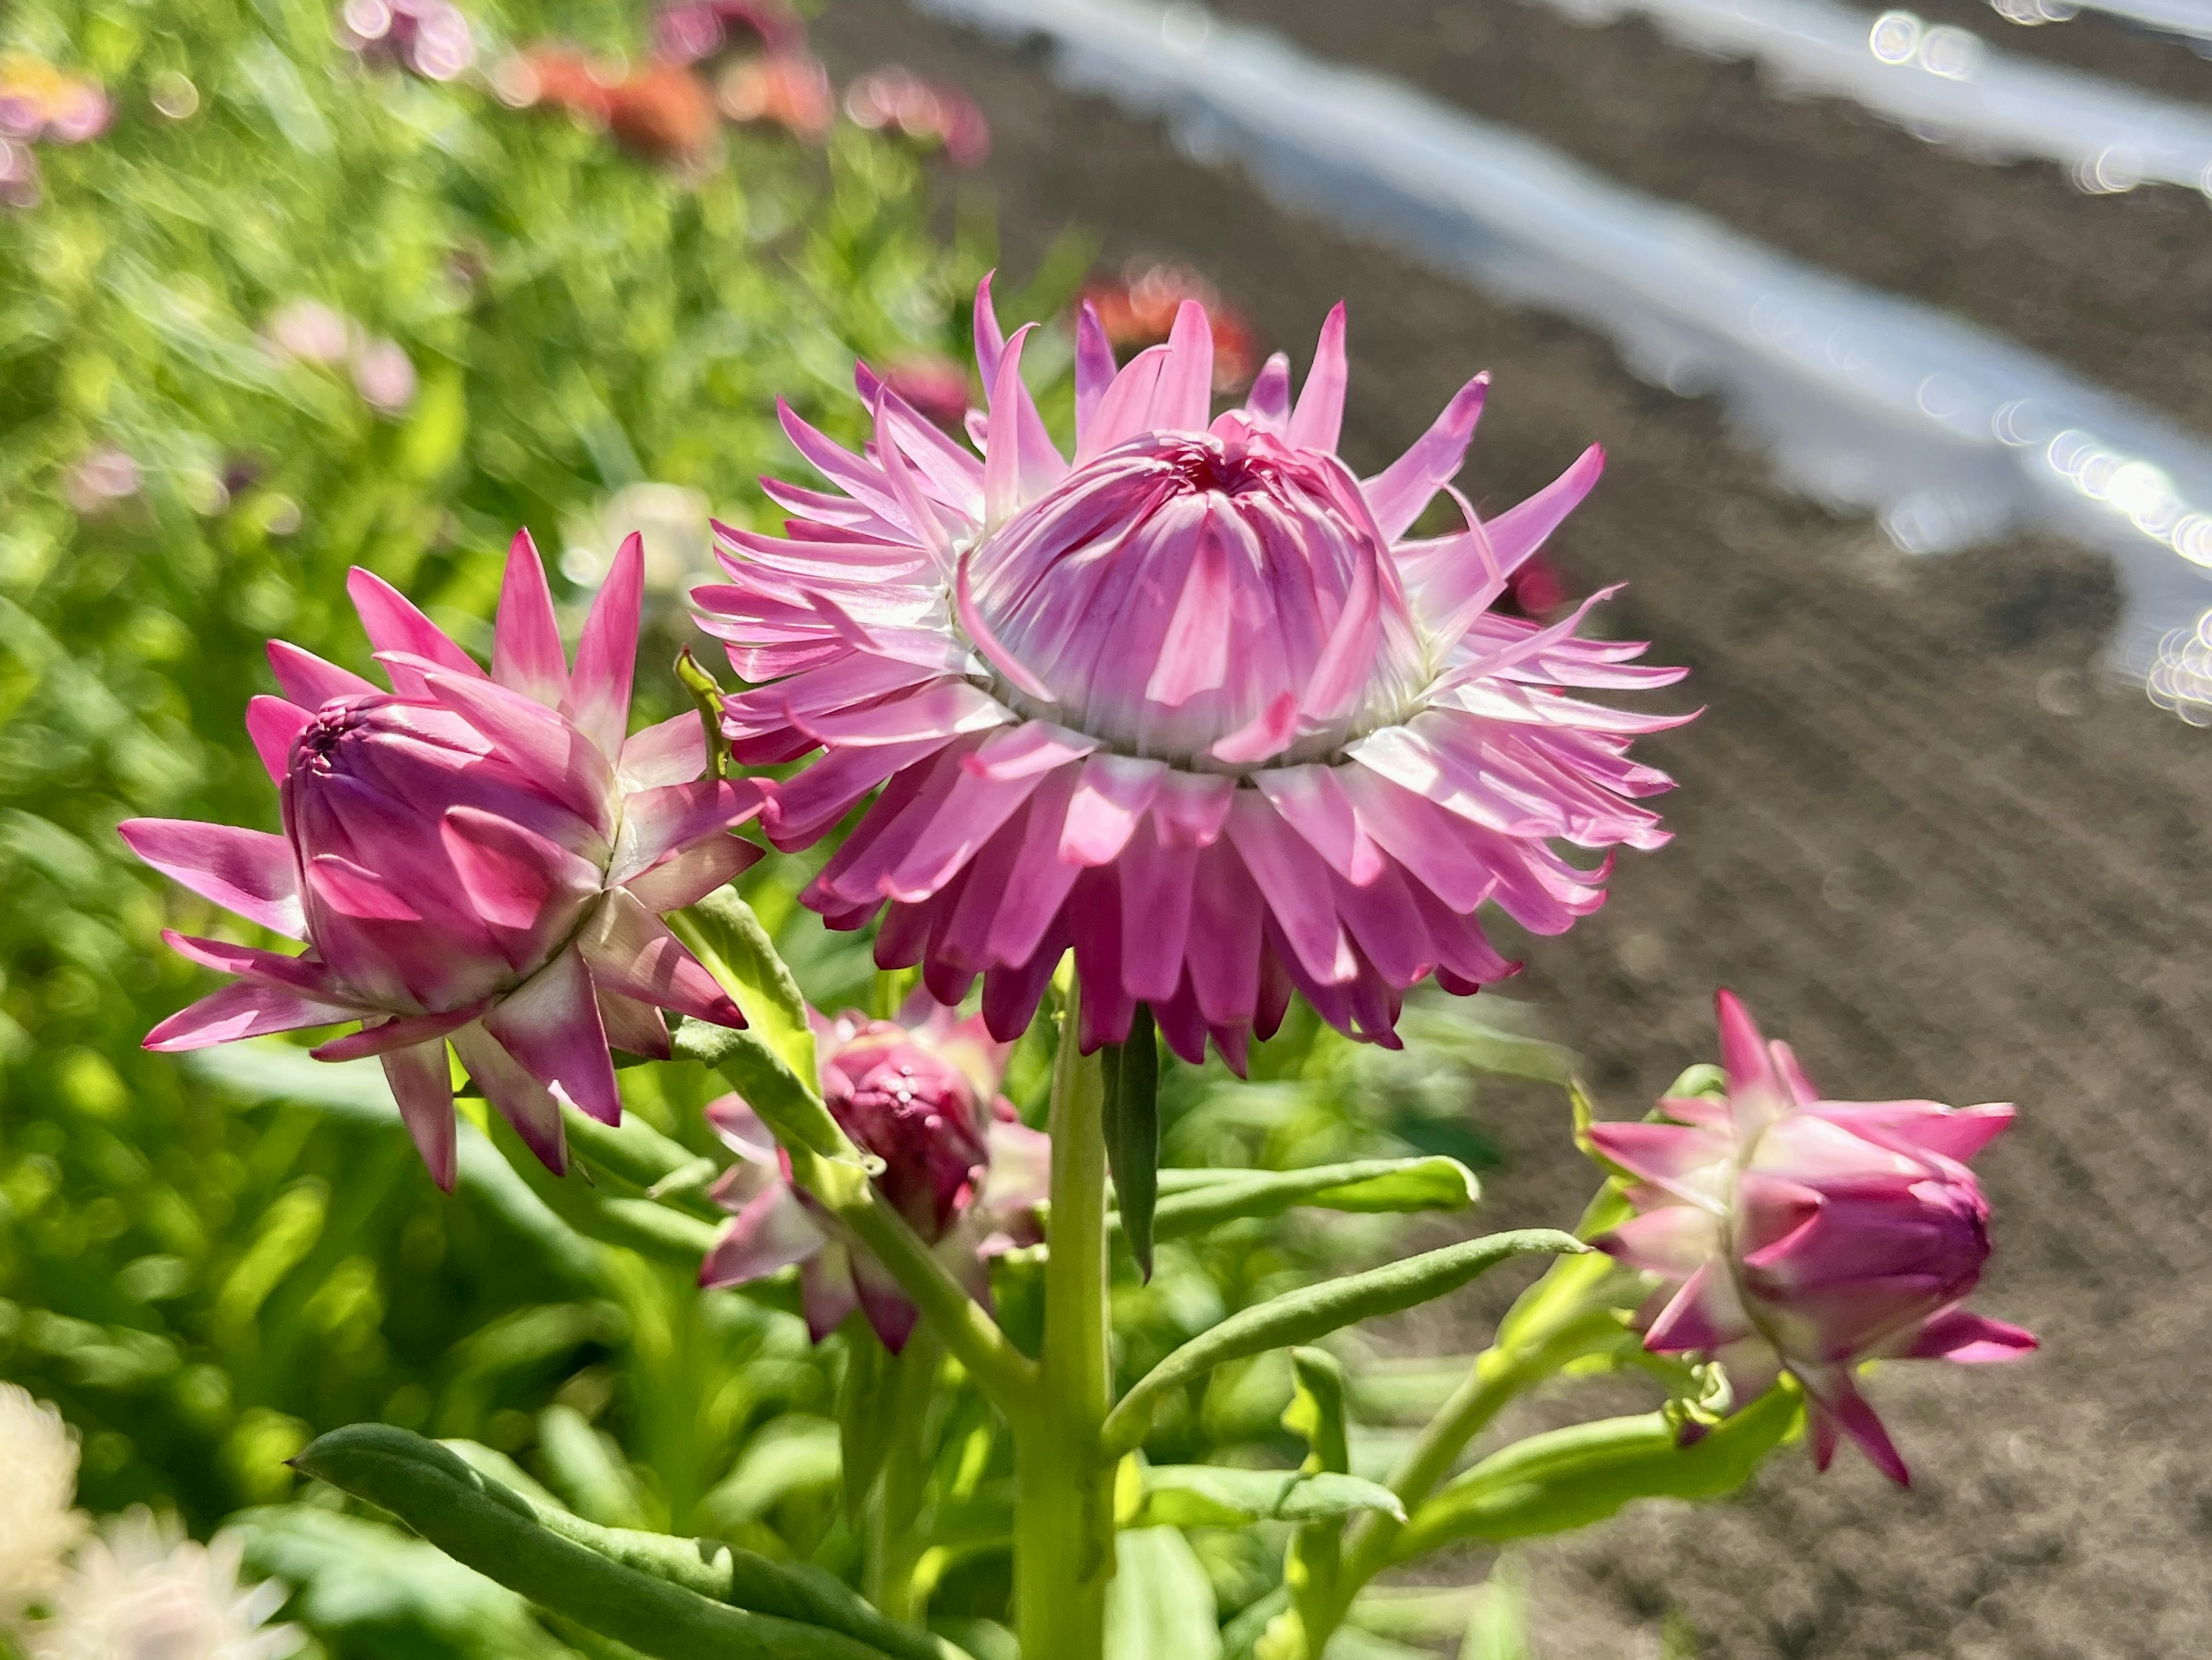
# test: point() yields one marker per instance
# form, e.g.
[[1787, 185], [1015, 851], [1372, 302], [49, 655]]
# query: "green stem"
[[1064, 1502], [895, 1546]]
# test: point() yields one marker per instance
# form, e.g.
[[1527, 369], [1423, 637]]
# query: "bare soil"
[[1918, 827]]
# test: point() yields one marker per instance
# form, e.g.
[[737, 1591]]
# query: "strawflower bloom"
[[928, 112], [1809, 1234], [1196, 704], [38, 1522], [143, 1591], [475, 859], [921, 1094]]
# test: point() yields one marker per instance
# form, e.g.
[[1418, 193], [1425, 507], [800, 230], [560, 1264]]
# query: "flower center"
[[1176, 591]]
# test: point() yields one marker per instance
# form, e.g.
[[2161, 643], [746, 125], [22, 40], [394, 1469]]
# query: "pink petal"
[[1922, 1127], [1676, 1156], [1420, 837], [629, 951], [526, 653], [673, 752], [510, 875], [247, 872], [423, 1084], [1020, 464], [633, 1027], [990, 339], [1033, 747], [1674, 1241], [357, 892], [1268, 403], [551, 1024], [1193, 655], [274, 725], [1522, 529], [1113, 795], [810, 804], [1756, 1094], [980, 634], [1704, 1316], [685, 878], [521, 1098], [943, 708], [1126, 408], [606, 655], [1094, 368], [1184, 399], [1222, 950], [562, 758], [1833, 1392], [658, 823], [404, 1032], [1192, 808], [1156, 879], [1401, 490], [1031, 892], [246, 1008], [1296, 885], [304, 974], [310, 682], [1319, 417], [1312, 801], [1264, 736], [826, 1294], [394, 625], [889, 1311], [772, 1232], [969, 815], [1971, 1340]]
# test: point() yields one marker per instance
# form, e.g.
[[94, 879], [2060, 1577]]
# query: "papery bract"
[[920, 1094], [1194, 704], [475, 859], [1809, 1233]]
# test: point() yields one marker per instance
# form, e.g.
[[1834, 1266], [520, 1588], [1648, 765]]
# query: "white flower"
[[143, 1591], [37, 1482]]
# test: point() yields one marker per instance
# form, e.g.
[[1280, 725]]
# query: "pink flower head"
[[928, 112], [429, 38], [475, 859], [1810, 1233], [692, 30], [1194, 704], [1140, 309], [921, 1094]]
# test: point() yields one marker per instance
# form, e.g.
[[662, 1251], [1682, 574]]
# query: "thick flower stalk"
[[920, 1094], [1810, 1234], [1194, 704], [475, 859]]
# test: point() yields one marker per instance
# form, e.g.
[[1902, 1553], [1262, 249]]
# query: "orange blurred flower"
[[1140, 309]]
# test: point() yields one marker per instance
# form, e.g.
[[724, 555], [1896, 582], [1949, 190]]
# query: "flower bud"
[[1810, 1234]]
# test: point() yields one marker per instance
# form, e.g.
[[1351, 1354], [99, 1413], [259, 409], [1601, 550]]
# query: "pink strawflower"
[[1062, 676], [475, 859], [921, 1094], [1810, 1234]]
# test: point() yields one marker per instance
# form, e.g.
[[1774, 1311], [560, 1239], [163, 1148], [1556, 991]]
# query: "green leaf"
[[1195, 1201], [1218, 1496], [865, 1423], [1316, 1414], [1570, 1478], [1160, 1605], [1300, 1316], [772, 1060], [1133, 1132], [677, 1599]]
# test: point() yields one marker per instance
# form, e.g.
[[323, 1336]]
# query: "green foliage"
[[202, 1274]]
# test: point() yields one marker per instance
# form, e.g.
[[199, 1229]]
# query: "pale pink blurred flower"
[[935, 385], [385, 376], [693, 30], [475, 859], [39, 102], [103, 478], [1196, 705], [19, 174], [309, 331], [1809, 1234], [921, 1094], [929, 112], [143, 1591], [429, 38]]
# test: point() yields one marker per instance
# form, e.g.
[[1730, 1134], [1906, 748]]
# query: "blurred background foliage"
[[297, 309]]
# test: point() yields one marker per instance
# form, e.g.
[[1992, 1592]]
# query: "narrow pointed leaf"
[[1133, 1132], [1316, 1414], [1570, 1478], [1216, 1496], [1301, 1317], [677, 1599], [1194, 1200]]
